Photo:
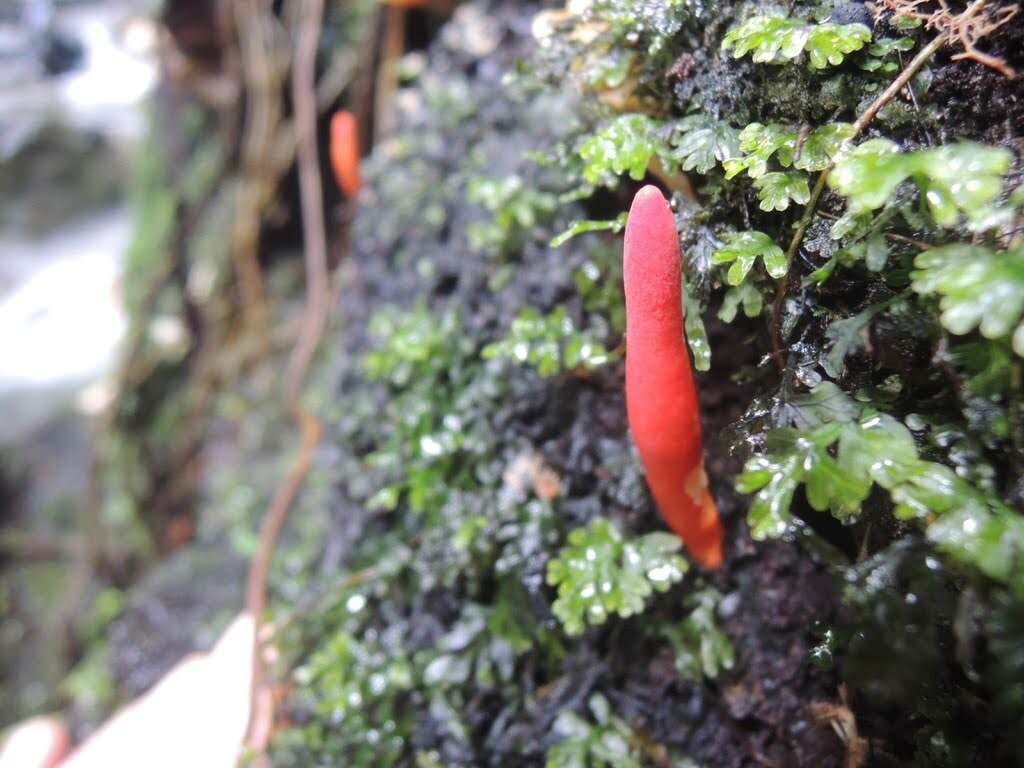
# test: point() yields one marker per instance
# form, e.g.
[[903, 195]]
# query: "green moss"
[[625, 146], [776, 39], [607, 742], [844, 450], [964, 178], [549, 343], [360, 685], [702, 649], [601, 573], [599, 282], [868, 413], [154, 202], [516, 209]]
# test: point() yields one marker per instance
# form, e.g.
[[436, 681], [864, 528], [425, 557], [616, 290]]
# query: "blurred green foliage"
[[702, 649], [549, 343], [608, 742]]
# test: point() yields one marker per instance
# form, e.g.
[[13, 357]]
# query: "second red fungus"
[[661, 397], [344, 149]]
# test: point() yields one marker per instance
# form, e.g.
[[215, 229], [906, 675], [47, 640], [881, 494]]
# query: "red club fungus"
[[661, 398], [345, 152]]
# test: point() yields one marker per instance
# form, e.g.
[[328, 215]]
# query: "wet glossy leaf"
[[701, 142], [777, 39], [980, 288], [828, 44], [769, 38], [600, 573], [626, 145], [840, 461], [759, 143], [743, 249], [746, 295], [794, 458], [821, 145], [775, 190], [869, 174], [696, 334], [702, 649], [956, 179]]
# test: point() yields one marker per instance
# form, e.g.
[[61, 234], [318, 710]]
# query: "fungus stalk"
[[344, 148], [661, 397]]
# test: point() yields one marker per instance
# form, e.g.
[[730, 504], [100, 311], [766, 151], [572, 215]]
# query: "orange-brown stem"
[[661, 397]]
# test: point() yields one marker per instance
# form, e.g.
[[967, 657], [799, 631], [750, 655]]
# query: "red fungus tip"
[[344, 150], [661, 397]]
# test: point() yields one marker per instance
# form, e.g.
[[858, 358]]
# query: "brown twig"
[[899, 83], [861, 123], [262, 76], [314, 319]]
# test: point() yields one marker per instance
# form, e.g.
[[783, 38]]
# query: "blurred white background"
[[74, 77]]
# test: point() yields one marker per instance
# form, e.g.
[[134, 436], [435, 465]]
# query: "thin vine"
[[859, 125]]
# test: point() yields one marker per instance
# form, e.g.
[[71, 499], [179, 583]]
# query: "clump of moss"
[[443, 631], [888, 229], [882, 427]]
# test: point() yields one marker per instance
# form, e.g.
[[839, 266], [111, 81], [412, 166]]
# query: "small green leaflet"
[[777, 39], [700, 142], [746, 295], [607, 743], [696, 334], [742, 249], [821, 145], [980, 288], [702, 649], [776, 189], [626, 145], [963, 178], [827, 44], [880, 51], [600, 572], [760, 142], [580, 226]]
